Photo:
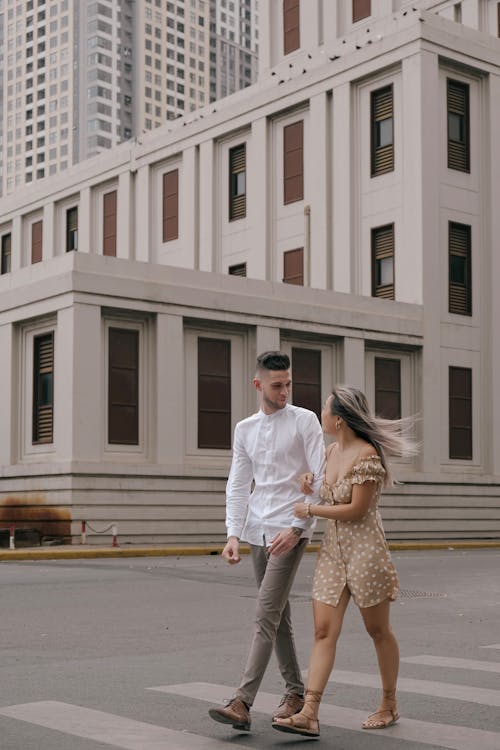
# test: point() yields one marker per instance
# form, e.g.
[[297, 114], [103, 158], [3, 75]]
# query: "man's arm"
[[237, 496], [314, 448]]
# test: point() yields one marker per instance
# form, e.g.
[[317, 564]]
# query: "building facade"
[[234, 44], [342, 209]]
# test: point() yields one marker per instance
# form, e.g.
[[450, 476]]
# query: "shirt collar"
[[274, 414]]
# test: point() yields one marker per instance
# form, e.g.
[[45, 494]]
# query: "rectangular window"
[[382, 131], [293, 266], [239, 269], [6, 253], [214, 393], [383, 262], [72, 229], [306, 379], [237, 183], [109, 224], [293, 162], [460, 405], [43, 389], [123, 387], [171, 205], [459, 264], [388, 388], [36, 241], [360, 9], [458, 126], [291, 26]]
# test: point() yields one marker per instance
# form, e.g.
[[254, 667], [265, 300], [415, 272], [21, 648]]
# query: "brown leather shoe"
[[234, 712], [290, 704]]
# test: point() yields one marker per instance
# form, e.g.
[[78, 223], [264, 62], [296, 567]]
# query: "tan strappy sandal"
[[382, 719], [301, 723]]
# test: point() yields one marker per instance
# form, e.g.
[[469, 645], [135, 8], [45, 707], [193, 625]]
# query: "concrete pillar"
[[266, 339], [49, 231], [354, 363], [258, 200], [8, 399], [188, 206], [85, 222], [64, 392], [317, 244], [88, 372], [207, 192], [171, 396], [16, 243], [330, 25], [310, 25], [341, 170], [265, 35], [125, 216], [142, 233]]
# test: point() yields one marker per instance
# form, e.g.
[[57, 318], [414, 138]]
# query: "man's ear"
[[257, 384]]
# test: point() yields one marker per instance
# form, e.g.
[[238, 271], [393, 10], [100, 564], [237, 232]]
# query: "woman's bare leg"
[[378, 625]]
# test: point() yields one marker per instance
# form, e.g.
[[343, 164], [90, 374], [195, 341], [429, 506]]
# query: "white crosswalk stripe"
[[442, 735], [493, 645], [447, 661], [109, 729]]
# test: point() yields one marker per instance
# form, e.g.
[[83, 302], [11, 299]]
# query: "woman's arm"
[[362, 496]]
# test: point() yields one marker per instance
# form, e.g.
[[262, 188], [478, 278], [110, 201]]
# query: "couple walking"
[[271, 449]]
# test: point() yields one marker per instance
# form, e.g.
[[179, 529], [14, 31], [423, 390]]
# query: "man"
[[271, 448]]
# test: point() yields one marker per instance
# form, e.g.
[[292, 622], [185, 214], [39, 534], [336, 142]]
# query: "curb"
[[78, 552]]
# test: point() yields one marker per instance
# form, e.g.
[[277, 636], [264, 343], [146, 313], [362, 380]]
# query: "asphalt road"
[[130, 653]]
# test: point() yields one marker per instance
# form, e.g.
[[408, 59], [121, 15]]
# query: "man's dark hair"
[[273, 361]]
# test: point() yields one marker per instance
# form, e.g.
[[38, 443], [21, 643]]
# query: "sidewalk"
[[79, 551]]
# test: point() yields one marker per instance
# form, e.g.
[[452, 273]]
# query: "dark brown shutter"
[[109, 223], [306, 379], [291, 26], [388, 388], [237, 183], [239, 269], [458, 126], [123, 387], [293, 162], [293, 266], [360, 9], [460, 397], [214, 393], [171, 205], [460, 282], [383, 262], [382, 127], [43, 388], [72, 229], [6, 253], [36, 241], [498, 19]]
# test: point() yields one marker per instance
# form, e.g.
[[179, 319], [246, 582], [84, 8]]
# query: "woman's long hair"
[[388, 436]]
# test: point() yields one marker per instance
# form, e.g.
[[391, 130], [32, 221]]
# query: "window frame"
[[6, 265], [470, 426], [386, 153], [359, 14], [288, 254], [291, 26], [465, 289], [465, 143], [237, 208], [377, 254], [298, 195]]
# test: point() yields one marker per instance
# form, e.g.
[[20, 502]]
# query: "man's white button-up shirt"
[[272, 450]]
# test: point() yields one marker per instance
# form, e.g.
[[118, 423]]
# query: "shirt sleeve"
[[238, 487], [315, 451]]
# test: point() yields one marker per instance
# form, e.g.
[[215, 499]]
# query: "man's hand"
[[230, 553], [305, 483], [284, 542]]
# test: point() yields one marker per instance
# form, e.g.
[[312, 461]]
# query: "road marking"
[[440, 735], [109, 729], [493, 645], [448, 661], [468, 693]]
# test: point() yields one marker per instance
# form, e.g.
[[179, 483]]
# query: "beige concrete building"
[[343, 209]]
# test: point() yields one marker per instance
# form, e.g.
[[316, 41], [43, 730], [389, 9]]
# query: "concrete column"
[[171, 395], [471, 14], [188, 205], [49, 231], [354, 363], [85, 222], [265, 35], [317, 245], [266, 339], [8, 399], [125, 216], [434, 380], [64, 392], [142, 233], [341, 170], [309, 25], [258, 200], [207, 192], [330, 24], [88, 374], [16, 243]]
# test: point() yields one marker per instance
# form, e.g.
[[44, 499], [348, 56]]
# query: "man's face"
[[274, 386]]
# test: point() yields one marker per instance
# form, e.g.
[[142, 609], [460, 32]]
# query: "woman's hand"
[[300, 510], [305, 483]]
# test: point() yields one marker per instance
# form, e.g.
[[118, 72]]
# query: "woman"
[[354, 559]]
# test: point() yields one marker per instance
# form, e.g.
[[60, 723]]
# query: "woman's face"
[[327, 418]]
